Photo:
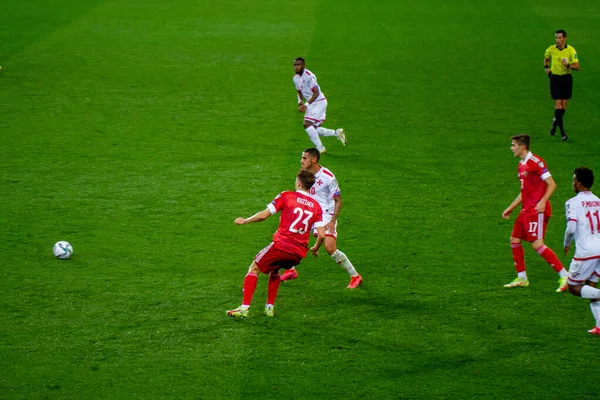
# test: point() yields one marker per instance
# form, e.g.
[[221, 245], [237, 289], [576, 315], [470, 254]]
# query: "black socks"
[[558, 115]]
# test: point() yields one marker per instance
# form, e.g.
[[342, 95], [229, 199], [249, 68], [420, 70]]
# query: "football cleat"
[[355, 281], [238, 312], [594, 331], [269, 310], [289, 275], [518, 282], [341, 136], [562, 284], [553, 129], [564, 137]]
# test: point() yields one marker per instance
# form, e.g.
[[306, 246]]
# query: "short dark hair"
[[306, 178], [585, 176], [561, 31], [311, 151], [522, 139], [300, 59]]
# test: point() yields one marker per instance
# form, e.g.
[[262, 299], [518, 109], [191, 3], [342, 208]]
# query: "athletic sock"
[[551, 259], [588, 292], [558, 114], [563, 272], [595, 307], [341, 259], [274, 281], [325, 132], [250, 282], [519, 258], [314, 136]]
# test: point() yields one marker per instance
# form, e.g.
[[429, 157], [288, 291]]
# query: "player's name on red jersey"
[[299, 212], [305, 202]]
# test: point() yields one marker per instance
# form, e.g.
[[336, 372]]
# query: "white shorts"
[[326, 219], [316, 112], [584, 270]]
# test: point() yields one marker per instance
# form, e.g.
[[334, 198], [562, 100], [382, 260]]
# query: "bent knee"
[[253, 268], [574, 289], [331, 248]]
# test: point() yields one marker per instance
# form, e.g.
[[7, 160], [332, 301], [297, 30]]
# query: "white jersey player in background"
[[312, 102], [327, 193], [583, 225]]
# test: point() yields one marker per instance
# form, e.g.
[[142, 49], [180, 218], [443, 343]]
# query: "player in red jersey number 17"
[[299, 212], [537, 185]]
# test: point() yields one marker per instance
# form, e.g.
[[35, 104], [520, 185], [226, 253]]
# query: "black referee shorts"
[[561, 86]]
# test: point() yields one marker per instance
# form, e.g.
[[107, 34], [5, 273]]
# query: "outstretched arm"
[[259, 216]]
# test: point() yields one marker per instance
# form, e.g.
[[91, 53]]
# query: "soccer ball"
[[62, 250]]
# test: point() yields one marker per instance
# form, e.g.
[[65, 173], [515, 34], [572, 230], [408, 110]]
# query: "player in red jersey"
[[537, 185], [299, 212]]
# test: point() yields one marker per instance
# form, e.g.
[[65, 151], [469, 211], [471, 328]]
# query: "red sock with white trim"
[[250, 282], [274, 281], [551, 259]]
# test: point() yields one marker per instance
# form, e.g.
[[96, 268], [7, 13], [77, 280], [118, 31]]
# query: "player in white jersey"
[[583, 225], [327, 193], [313, 103]]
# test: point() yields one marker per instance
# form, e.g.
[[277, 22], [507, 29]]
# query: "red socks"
[[518, 256], [274, 281], [550, 258], [545, 252], [250, 282], [249, 287]]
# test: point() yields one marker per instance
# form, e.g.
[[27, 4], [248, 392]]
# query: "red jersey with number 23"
[[532, 172], [299, 212]]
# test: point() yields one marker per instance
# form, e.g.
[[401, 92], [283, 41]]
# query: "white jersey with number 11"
[[584, 209]]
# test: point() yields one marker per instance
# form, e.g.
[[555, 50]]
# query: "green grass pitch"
[[139, 130]]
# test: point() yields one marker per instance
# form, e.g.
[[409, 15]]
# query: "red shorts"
[[271, 259], [530, 226]]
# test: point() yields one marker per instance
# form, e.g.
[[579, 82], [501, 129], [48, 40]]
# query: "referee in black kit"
[[559, 61]]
